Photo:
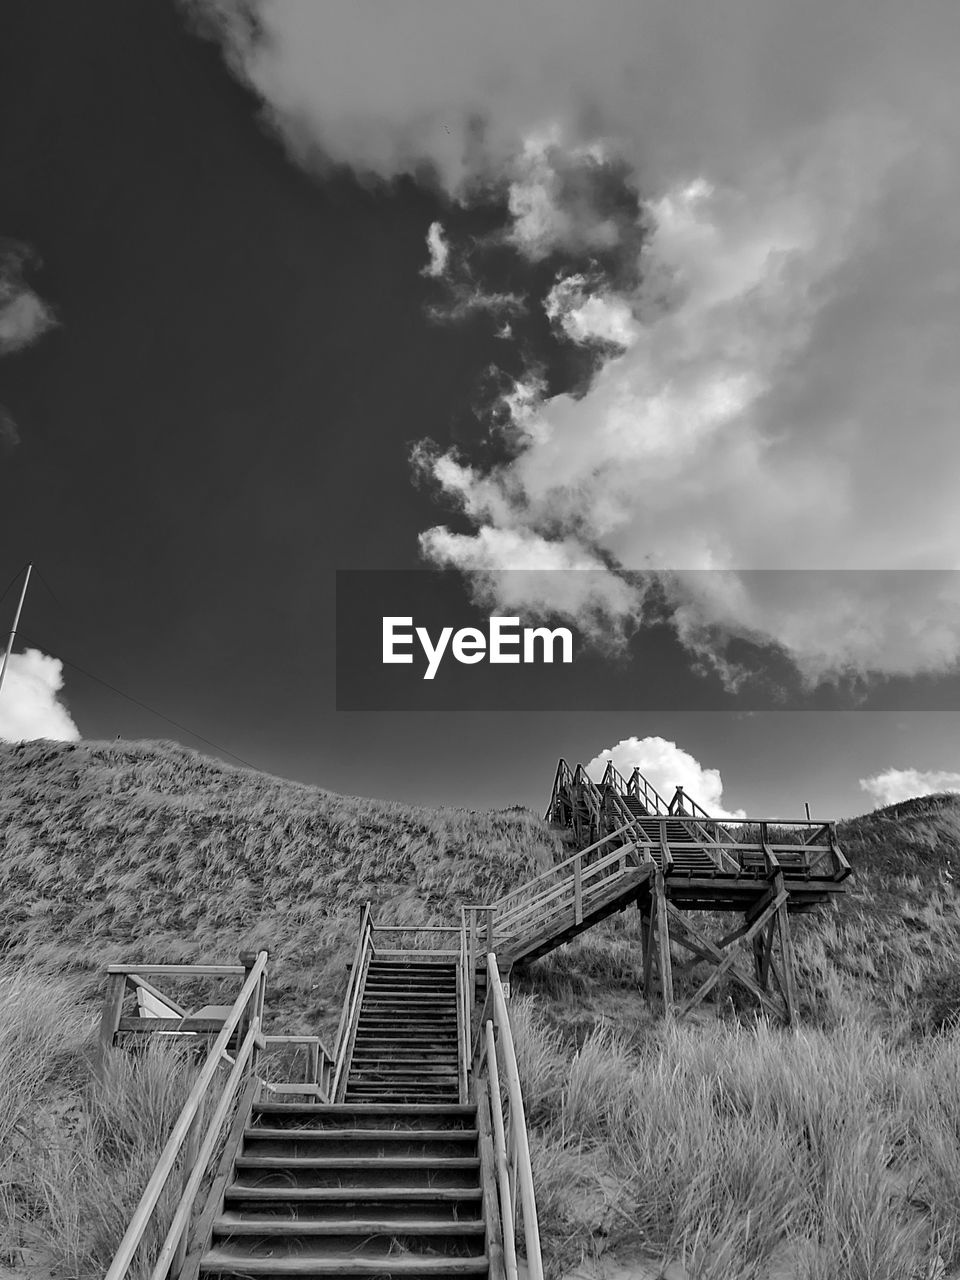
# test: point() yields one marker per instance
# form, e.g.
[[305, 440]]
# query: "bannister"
[[351, 1003], [495, 1056], [247, 1007]]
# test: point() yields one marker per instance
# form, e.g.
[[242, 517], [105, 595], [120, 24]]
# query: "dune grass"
[[746, 1151], [76, 1147]]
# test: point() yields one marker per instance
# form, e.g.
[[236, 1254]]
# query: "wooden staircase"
[[357, 1189], [405, 1048]]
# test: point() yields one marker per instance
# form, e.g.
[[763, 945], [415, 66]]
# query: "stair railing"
[[350, 1012], [645, 792], [560, 873], [185, 1136], [495, 1069], [561, 783]]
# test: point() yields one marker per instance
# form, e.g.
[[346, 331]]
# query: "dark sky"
[[223, 417]]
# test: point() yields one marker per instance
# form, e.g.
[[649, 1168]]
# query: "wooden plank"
[[135, 979], [207, 970], [149, 1026]]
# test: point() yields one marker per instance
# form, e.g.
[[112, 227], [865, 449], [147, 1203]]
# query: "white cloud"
[[784, 393], [666, 766], [24, 316], [894, 785], [439, 249], [30, 705]]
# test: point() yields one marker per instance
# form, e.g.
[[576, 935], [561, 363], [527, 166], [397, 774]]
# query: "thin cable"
[[53, 595], [153, 711]]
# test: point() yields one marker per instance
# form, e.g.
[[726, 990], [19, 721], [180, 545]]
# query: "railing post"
[[577, 893], [248, 959], [110, 1016]]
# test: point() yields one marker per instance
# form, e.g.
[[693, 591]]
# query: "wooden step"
[[366, 1164], [404, 1220], [238, 1191], [234, 1262], [257, 1133], [359, 1142], [407, 1117]]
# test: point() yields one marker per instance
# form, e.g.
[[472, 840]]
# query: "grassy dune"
[[727, 1146]]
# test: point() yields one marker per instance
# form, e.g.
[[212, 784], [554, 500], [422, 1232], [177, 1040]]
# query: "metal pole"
[[16, 623], [807, 807]]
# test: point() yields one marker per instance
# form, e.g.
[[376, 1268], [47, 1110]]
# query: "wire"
[[153, 711], [53, 595]]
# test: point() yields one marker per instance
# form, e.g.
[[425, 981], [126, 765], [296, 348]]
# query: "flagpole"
[[16, 622]]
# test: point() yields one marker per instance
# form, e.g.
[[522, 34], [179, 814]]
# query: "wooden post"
[[647, 931], [577, 893], [789, 983], [663, 947], [254, 1007], [110, 1016]]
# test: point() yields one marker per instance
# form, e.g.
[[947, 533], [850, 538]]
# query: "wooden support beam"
[[787, 976], [648, 948], [707, 950], [663, 946], [726, 963]]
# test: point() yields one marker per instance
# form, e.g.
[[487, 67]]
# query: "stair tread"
[[224, 1259], [339, 1108], [272, 1224], [237, 1191], [357, 1162], [362, 1135]]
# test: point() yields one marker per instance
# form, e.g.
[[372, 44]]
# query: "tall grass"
[[76, 1148], [746, 1151]]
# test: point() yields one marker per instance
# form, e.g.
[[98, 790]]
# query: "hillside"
[[734, 1149], [135, 851], [122, 851]]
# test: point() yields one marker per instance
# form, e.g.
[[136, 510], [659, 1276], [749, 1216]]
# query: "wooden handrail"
[[181, 1217], [500, 1155], [551, 873], [158, 1179], [513, 1148], [195, 970], [351, 1000]]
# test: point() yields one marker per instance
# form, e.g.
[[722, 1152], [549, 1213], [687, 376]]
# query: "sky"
[[644, 295]]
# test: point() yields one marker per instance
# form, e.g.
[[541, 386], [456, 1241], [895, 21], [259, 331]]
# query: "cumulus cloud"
[[753, 195], [30, 705], [24, 316], [894, 785], [667, 767]]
